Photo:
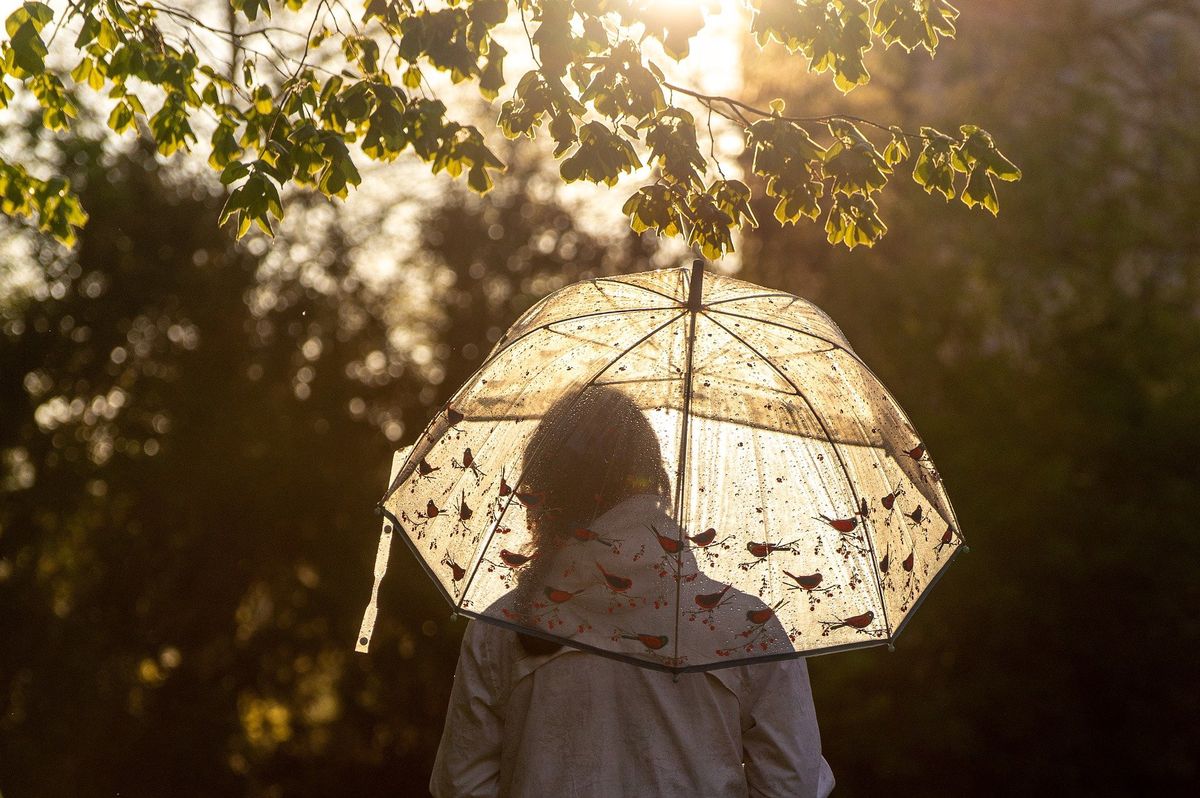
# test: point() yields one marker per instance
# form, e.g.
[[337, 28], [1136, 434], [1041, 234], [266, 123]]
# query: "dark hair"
[[592, 449]]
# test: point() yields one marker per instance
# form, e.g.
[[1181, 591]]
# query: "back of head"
[[592, 449]]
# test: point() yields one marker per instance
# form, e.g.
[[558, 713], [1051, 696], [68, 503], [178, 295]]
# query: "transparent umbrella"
[[678, 469]]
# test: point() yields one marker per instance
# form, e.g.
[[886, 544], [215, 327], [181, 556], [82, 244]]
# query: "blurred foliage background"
[[193, 434]]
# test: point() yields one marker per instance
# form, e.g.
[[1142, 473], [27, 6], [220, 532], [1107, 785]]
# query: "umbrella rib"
[[676, 300], [796, 330], [750, 296], [836, 451], [544, 326], [590, 381]]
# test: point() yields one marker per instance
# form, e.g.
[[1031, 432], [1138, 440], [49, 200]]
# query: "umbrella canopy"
[[679, 469]]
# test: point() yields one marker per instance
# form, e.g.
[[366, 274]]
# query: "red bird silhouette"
[[586, 535], [908, 562], [456, 570], [464, 511], [763, 549], [709, 601], [860, 621], [431, 510], [453, 416], [840, 524], [885, 563], [809, 582], [619, 584], [514, 560], [947, 539], [917, 452], [890, 499], [504, 487], [559, 596], [760, 616], [652, 642], [916, 515], [854, 622], [669, 545], [704, 538], [424, 468]]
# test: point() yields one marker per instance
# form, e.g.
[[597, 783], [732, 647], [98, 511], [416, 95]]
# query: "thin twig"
[[234, 34], [71, 7], [528, 36], [712, 145], [804, 120]]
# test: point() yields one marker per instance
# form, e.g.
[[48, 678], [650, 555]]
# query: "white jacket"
[[574, 724]]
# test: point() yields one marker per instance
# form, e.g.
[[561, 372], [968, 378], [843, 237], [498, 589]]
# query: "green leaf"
[[913, 25], [233, 171], [654, 208], [601, 158], [36, 15], [87, 32], [108, 37], [671, 137], [57, 210], [264, 100], [934, 169], [980, 190], [82, 70], [896, 152], [491, 78], [121, 118], [854, 220], [27, 52], [853, 162]]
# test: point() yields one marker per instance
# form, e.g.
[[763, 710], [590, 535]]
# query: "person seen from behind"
[[530, 717]]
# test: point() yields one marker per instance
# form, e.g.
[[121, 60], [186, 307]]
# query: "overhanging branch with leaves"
[[608, 108]]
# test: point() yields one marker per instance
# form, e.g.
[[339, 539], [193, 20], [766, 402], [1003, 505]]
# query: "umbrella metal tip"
[[891, 646]]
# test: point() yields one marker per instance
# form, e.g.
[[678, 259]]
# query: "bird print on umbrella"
[[650, 641], [468, 464], [761, 550], [859, 623], [584, 534], [706, 604]]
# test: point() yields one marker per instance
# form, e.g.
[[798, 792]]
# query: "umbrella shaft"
[[696, 290]]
